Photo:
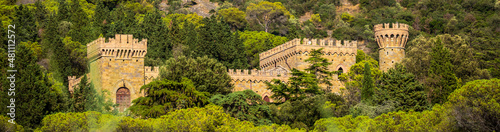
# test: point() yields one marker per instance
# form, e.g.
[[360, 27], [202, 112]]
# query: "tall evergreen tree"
[[163, 96], [216, 35], [100, 18], [25, 25], [63, 13], [40, 14], [319, 67], [153, 29], [368, 86], [86, 98], [32, 89], [79, 31], [59, 62], [401, 86], [442, 78]]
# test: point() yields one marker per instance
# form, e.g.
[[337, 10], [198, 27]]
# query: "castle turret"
[[391, 38]]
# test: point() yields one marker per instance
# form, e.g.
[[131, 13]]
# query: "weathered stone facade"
[[276, 63], [117, 66], [391, 39]]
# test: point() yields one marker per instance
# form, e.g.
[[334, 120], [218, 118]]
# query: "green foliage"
[[372, 110], [319, 67], [300, 86], [207, 74], [256, 42], [368, 85], [163, 96], [436, 119], [303, 113], [234, 17], [354, 80], [25, 25], [208, 118], [6, 126], [442, 79], [77, 56], [476, 105], [86, 98], [32, 89], [347, 17], [267, 14], [402, 87], [371, 4], [217, 35], [244, 105], [360, 56]]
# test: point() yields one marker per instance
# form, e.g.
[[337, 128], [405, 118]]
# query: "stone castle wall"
[[392, 39], [277, 63], [117, 63], [292, 54]]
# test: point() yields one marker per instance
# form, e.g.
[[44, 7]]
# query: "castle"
[[117, 65]]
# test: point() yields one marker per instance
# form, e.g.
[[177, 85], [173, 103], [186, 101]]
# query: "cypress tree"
[[79, 20], [367, 89], [25, 25], [32, 89], [442, 77]]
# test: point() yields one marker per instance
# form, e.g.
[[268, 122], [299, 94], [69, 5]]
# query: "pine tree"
[[79, 30], [319, 67], [86, 98], [32, 89], [63, 13], [368, 86], [40, 13], [442, 77], [101, 14], [397, 84], [25, 25]]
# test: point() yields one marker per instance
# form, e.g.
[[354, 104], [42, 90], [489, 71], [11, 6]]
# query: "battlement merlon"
[[387, 26], [395, 36], [327, 43], [257, 73], [151, 69], [122, 46]]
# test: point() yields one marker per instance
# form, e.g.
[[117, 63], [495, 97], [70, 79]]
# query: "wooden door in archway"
[[123, 98], [266, 98]]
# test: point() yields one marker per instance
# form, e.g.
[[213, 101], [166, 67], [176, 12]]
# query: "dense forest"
[[448, 80]]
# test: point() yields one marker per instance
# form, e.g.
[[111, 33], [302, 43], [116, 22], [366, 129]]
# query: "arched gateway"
[[123, 98]]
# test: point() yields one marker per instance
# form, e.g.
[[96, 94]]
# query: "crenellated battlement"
[[391, 39], [395, 36], [391, 26], [307, 44], [151, 73], [255, 72], [121, 47]]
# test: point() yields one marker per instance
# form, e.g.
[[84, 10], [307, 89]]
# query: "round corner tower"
[[391, 38]]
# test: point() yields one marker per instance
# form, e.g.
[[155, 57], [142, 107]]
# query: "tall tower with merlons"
[[391, 38]]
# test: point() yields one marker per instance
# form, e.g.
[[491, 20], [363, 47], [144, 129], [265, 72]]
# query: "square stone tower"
[[117, 66], [391, 39]]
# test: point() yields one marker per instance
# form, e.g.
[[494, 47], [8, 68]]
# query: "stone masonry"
[[391, 39], [117, 65], [277, 63]]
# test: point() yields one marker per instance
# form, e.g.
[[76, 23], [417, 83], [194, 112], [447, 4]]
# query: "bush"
[[208, 118], [476, 105], [6, 126]]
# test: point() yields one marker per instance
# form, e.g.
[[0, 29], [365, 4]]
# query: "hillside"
[[433, 65]]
